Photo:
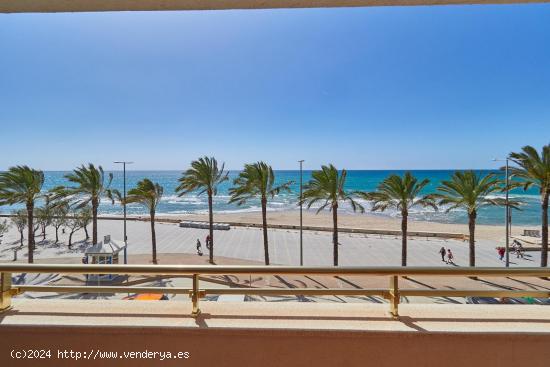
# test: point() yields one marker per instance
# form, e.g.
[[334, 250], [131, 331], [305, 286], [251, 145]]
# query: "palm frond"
[[400, 193], [146, 193], [468, 190], [532, 168], [204, 176], [89, 185], [328, 185], [20, 184], [257, 180]]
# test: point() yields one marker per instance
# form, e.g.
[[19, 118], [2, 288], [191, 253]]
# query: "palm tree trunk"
[[95, 204], [264, 226], [153, 237], [30, 225], [211, 221], [404, 223], [544, 232], [335, 232], [472, 228]]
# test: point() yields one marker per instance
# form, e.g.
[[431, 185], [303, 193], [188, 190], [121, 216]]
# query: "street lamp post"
[[507, 218], [507, 211], [301, 218], [124, 163]]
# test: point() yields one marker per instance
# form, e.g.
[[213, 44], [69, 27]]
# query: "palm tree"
[[91, 187], [470, 191], [148, 194], [44, 214], [85, 217], [400, 193], [534, 170], [205, 176], [327, 186], [21, 184], [74, 223], [19, 220], [257, 180], [59, 217]]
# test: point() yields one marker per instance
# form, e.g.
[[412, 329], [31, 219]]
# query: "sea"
[[357, 180]]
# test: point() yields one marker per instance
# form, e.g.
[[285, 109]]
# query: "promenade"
[[247, 244]]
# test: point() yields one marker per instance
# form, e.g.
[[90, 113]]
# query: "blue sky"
[[363, 88]]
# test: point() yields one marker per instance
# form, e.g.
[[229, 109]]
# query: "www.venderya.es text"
[[95, 354]]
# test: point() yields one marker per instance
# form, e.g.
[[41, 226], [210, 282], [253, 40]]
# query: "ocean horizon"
[[357, 180]]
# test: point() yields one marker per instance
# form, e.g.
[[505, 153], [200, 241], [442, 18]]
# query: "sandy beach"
[[364, 221]]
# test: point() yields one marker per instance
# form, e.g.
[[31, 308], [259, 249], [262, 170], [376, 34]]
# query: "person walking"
[[501, 252], [518, 249], [208, 244], [442, 252], [450, 256], [199, 247]]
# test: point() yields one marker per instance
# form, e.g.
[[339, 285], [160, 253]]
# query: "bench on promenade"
[[204, 225], [531, 233]]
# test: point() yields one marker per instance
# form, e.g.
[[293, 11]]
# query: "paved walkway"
[[246, 243]]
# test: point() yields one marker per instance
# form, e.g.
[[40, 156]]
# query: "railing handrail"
[[254, 269]]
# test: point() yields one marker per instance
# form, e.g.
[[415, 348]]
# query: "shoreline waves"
[[357, 180]]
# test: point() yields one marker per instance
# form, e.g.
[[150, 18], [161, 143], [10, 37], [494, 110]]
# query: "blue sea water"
[[356, 180]]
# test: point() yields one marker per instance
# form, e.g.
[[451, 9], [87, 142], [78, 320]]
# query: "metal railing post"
[[195, 296], [5, 291], [394, 297]]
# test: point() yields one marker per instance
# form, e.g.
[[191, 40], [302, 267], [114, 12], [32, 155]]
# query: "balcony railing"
[[391, 293]]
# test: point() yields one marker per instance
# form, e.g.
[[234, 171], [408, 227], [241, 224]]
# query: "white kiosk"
[[105, 252]]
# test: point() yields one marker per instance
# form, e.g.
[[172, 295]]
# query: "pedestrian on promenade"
[[450, 256], [199, 247], [518, 249], [501, 252], [442, 252], [208, 242]]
